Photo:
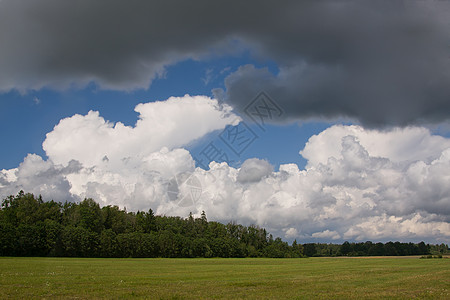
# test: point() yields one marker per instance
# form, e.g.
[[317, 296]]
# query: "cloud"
[[253, 170], [383, 227], [331, 235], [117, 45], [139, 184], [172, 123], [356, 185], [399, 144], [372, 62], [34, 175], [118, 164], [360, 190], [381, 63], [291, 233]]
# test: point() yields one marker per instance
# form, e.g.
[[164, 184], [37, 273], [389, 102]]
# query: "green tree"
[[297, 249], [90, 215], [53, 230], [346, 248], [109, 245], [145, 222], [79, 242], [115, 219], [309, 249]]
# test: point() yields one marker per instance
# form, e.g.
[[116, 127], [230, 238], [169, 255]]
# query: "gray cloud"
[[378, 62], [253, 170], [117, 44], [34, 175]]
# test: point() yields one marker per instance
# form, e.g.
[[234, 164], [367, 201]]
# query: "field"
[[340, 278]]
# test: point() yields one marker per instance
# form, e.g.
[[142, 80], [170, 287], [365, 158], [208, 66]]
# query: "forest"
[[30, 226]]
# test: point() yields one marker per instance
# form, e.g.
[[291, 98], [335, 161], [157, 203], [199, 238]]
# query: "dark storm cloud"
[[379, 62], [117, 44]]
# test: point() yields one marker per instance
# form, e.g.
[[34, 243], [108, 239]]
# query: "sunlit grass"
[[340, 278]]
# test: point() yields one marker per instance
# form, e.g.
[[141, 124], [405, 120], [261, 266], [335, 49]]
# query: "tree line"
[[30, 226]]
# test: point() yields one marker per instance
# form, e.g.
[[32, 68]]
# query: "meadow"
[[221, 278]]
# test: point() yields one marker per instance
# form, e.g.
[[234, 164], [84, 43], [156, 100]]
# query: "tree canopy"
[[30, 226]]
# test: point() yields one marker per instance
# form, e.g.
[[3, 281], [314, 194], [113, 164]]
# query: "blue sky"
[[115, 100], [39, 111]]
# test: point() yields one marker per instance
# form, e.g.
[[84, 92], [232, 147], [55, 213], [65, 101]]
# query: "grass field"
[[342, 278]]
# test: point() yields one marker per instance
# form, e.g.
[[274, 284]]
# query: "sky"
[[322, 121]]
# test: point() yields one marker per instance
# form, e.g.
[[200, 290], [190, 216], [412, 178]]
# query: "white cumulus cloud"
[[118, 164], [356, 184], [172, 123], [360, 188]]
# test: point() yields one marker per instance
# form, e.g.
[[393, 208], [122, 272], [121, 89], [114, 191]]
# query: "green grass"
[[340, 278]]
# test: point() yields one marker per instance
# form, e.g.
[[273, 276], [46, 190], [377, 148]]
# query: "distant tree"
[[423, 249], [109, 245], [30, 226], [8, 239], [31, 240], [145, 222], [201, 248], [90, 215], [79, 242], [377, 250], [115, 219], [346, 248], [309, 249], [297, 249], [53, 244]]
